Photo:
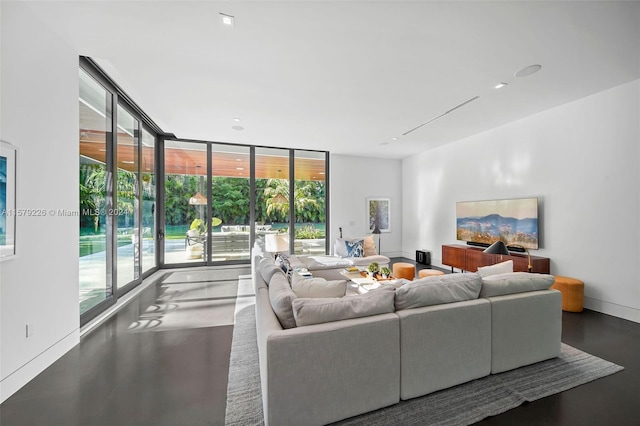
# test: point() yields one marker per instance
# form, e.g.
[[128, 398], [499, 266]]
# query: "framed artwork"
[[379, 212], [7, 201]]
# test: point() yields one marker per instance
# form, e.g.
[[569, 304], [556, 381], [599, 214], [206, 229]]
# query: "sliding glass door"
[[95, 123], [117, 214]]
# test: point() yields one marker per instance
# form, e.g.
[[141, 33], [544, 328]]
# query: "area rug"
[[461, 405]]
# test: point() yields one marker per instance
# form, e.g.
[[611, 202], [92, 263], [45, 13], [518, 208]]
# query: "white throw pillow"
[[317, 287], [498, 268]]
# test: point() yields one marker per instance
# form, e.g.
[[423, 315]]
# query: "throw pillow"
[[267, 268], [515, 282], [281, 297], [355, 248], [437, 290], [339, 247], [369, 247], [308, 311], [498, 268], [317, 287]]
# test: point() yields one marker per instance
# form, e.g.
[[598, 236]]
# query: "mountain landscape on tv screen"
[[493, 227]]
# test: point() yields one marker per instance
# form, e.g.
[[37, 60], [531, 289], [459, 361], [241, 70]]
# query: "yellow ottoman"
[[423, 273], [572, 293], [404, 270]]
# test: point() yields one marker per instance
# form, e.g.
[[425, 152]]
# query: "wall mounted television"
[[514, 221]]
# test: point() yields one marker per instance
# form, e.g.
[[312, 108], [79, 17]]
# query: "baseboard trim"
[[23, 375], [624, 312]]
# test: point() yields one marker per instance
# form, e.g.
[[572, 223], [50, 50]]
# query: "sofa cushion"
[[437, 290], [267, 268], [515, 282], [369, 247], [355, 248], [317, 287], [309, 311], [281, 296], [498, 268]]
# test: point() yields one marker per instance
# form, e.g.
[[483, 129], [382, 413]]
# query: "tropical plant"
[[308, 232]]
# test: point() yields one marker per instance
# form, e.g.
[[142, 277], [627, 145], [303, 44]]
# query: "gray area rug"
[[461, 405]]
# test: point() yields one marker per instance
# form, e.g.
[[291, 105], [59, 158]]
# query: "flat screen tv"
[[513, 221]]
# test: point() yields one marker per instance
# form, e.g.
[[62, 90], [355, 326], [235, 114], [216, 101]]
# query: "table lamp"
[[276, 243]]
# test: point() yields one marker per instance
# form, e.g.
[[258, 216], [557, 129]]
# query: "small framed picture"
[[379, 213]]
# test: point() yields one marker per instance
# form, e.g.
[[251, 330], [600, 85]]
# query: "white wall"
[[39, 105], [581, 159], [353, 180]]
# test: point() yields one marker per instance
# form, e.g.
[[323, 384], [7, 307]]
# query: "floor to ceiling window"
[[95, 107], [127, 206], [185, 202], [272, 197], [230, 202], [148, 198], [309, 202], [117, 193]]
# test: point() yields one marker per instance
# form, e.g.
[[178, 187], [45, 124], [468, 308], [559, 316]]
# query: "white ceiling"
[[350, 76]]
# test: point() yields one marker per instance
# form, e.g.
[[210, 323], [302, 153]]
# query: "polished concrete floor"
[[163, 360]]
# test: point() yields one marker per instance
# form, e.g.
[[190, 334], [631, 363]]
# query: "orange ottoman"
[[404, 270], [423, 273], [572, 293]]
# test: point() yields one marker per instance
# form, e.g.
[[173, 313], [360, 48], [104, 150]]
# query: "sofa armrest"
[[327, 372]]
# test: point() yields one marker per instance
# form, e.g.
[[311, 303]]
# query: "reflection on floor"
[[191, 299]]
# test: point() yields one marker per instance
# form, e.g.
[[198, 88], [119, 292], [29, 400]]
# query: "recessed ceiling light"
[[527, 71], [238, 159], [500, 85], [128, 162], [227, 20], [237, 127], [239, 168], [321, 173], [236, 119]]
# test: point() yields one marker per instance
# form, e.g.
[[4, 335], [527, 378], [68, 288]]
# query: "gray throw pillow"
[[317, 311], [317, 287], [267, 268], [437, 290], [281, 297], [515, 282]]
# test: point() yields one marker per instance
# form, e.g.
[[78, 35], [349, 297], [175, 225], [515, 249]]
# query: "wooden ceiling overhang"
[[181, 161]]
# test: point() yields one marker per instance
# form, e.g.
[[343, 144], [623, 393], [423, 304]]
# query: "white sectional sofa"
[[362, 353]]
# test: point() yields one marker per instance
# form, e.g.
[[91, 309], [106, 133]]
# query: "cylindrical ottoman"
[[572, 293], [423, 273], [404, 270]]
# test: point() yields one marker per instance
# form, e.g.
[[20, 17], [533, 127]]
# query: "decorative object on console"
[[529, 266], [276, 243], [497, 248]]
